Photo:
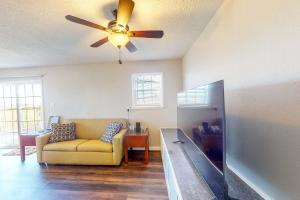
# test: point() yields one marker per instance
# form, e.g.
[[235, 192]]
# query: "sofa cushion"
[[62, 132], [64, 146], [111, 130], [95, 146]]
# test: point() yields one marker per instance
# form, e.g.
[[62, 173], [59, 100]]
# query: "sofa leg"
[[44, 165]]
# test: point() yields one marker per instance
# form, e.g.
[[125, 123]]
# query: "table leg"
[[126, 154], [147, 153], [22, 152]]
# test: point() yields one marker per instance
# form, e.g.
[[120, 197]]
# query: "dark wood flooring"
[[132, 181]]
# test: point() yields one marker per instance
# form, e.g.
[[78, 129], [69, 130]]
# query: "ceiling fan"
[[118, 30]]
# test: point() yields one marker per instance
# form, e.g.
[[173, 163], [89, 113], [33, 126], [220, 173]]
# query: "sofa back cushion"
[[93, 128]]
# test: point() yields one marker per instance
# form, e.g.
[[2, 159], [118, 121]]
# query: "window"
[[147, 90], [20, 110]]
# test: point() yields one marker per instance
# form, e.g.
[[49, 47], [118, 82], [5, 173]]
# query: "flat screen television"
[[201, 131]]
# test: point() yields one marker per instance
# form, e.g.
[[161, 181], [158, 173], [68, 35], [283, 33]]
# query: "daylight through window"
[[147, 90]]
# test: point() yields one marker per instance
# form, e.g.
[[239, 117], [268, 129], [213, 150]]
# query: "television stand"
[[183, 182]]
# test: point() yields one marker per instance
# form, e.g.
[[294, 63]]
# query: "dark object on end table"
[[138, 127]]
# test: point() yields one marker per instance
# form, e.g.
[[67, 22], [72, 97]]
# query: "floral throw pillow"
[[111, 130], [62, 132]]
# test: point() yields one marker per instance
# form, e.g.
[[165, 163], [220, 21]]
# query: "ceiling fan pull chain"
[[120, 56]]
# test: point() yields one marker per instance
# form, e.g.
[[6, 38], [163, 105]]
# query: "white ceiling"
[[36, 33]]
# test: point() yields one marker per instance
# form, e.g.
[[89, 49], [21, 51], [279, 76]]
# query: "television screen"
[[201, 129]]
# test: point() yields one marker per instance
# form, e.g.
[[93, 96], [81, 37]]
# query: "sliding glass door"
[[21, 110]]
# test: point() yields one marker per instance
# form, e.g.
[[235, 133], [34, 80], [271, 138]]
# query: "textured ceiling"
[[35, 33]]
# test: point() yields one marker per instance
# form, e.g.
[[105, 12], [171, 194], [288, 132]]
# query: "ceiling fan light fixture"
[[118, 39]]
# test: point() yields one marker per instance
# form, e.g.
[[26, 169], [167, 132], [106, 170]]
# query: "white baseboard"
[[151, 148]]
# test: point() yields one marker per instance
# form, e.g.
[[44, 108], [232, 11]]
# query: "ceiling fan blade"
[[125, 9], [130, 47], [148, 34], [84, 22], [100, 42]]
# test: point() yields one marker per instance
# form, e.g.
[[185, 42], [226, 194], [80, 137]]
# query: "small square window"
[[147, 90]]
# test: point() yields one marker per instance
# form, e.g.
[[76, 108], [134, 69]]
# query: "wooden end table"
[[26, 140], [134, 139]]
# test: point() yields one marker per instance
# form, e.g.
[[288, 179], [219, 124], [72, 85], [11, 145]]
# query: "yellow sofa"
[[87, 148]]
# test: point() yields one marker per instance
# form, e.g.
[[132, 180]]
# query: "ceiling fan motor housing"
[[115, 27]]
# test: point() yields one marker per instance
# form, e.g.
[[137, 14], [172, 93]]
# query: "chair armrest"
[[118, 151], [41, 141]]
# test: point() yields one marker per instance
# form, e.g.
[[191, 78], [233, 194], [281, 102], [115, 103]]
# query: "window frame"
[[133, 91]]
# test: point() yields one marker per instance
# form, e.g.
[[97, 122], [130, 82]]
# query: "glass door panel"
[[20, 111]]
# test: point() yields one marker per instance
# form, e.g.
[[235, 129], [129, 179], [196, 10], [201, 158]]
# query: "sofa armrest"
[[118, 151], [41, 141]]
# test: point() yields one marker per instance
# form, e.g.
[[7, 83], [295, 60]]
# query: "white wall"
[[104, 91], [255, 47]]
